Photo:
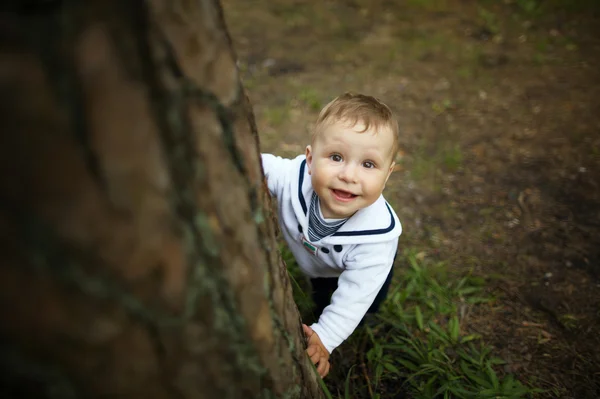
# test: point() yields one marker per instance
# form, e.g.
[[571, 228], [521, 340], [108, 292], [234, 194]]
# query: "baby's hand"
[[316, 351]]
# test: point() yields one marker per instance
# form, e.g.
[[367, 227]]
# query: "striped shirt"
[[318, 227]]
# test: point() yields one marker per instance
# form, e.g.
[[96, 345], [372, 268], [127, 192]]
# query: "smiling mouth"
[[342, 195]]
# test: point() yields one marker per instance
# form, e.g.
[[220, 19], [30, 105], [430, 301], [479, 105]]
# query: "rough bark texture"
[[136, 249]]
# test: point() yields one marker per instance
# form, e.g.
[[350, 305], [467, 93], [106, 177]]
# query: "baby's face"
[[349, 168]]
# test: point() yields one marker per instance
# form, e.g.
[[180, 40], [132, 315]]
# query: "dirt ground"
[[500, 133]]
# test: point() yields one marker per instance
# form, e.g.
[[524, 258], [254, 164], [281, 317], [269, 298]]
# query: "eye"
[[368, 164], [335, 157]]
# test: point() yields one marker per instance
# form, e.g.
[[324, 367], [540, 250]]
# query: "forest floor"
[[499, 168]]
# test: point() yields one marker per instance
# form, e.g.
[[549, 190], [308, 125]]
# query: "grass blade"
[[347, 383], [419, 317]]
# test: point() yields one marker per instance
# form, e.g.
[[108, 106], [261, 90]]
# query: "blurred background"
[[496, 178]]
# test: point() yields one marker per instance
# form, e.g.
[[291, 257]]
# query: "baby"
[[341, 231]]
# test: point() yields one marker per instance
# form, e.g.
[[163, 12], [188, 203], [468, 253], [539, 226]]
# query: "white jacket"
[[360, 253]]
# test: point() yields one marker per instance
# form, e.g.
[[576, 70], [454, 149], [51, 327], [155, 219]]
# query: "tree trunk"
[[137, 253]]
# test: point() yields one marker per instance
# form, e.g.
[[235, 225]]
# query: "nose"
[[348, 173]]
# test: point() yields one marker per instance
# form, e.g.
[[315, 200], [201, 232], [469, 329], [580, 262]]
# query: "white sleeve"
[[275, 169], [366, 268]]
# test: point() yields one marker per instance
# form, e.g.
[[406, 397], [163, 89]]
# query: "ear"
[[309, 157], [390, 171]]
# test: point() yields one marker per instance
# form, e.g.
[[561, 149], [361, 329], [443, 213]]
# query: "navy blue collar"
[[343, 233]]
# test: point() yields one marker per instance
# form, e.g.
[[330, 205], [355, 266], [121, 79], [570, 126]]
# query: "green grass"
[[277, 115], [430, 5], [489, 20], [426, 343], [528, 7], [300, 284], [419, 344], [310, 98], [426, 162], [452, 158]]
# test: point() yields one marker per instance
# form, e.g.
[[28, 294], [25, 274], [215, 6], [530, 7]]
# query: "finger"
[[322, 367], [307, 330], [327, 370], [311, 350], [315, 358]]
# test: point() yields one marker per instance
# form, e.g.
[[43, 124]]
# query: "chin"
[[346, 213]]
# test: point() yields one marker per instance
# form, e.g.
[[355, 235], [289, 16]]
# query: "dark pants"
[[322, 289]]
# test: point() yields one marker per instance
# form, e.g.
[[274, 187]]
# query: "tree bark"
[[137, 250]]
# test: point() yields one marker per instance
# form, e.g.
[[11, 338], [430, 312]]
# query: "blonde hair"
[[358, 108]]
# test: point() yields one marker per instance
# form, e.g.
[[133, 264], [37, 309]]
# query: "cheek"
[[320, 177], [317, 178], [375, 185]]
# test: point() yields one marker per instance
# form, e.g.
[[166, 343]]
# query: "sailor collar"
[[375, 223]]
